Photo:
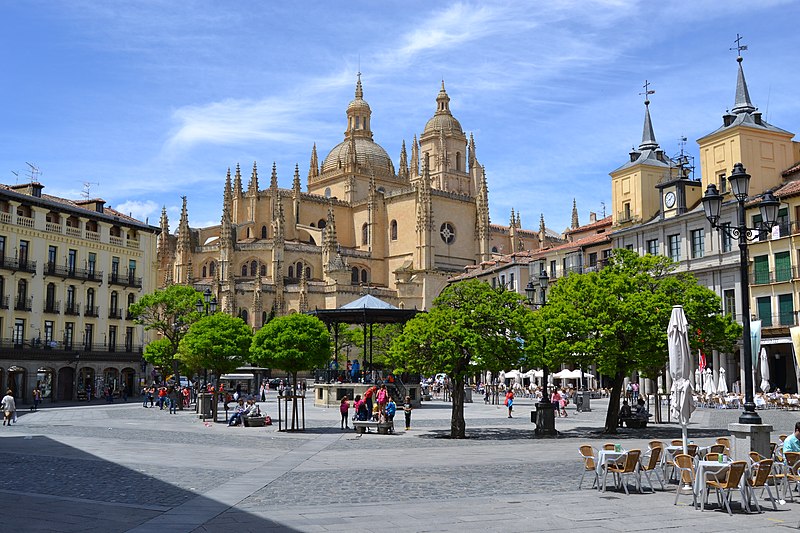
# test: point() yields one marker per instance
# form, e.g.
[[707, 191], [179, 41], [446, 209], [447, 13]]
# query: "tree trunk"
[[295, 422], [457, 426], [612, 416]]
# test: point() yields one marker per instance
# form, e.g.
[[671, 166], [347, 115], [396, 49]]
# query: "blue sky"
[[152, 100]]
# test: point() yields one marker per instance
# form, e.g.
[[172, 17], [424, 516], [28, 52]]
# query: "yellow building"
[[68, 272], [362, 224]]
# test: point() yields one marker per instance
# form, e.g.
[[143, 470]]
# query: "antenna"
[[33, 172], [16, 177], [87, 189], [604, 208]]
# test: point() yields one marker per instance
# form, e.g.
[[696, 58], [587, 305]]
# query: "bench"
[[384, 428], [254, 421], [635, 422]]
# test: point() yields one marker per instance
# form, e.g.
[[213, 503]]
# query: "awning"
[[776, 340], [237, 376]]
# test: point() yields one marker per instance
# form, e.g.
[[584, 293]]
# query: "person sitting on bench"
[[624, 412]]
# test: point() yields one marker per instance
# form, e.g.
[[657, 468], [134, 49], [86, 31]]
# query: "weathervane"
[[739, 46], [647, 92]]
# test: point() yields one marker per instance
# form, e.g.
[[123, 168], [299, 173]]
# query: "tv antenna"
[[16, 177], [33, 172], [604, 208], [87, 189]]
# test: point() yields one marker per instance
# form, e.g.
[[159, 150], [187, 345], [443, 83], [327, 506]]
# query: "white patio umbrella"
[[682, 403], [563, 374], [708, 382], [722, 386], [764, 366], [698, 379]]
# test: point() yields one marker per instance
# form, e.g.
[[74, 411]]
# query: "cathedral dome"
[[368, 153], [442, 120]]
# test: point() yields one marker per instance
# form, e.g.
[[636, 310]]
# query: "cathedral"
[[361, 225]]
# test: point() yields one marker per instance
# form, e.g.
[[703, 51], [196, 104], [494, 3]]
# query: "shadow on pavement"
[[50, 486]]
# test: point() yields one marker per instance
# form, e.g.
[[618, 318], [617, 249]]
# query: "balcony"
[[765, 277], [115, 313], [51, 307], [54, 350], [91, 310], [129, 280], [23, 304], [785, 319], [129, 316], [16, 265], [72, 272], [72, 309]]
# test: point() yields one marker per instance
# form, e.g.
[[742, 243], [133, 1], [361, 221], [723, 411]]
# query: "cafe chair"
[[691, 449], [760, 473], [655, 444], [730, 480], [676, 442], [684, 464], [627, 465], [717, 448], [609, 446], [589, 464], [791, 472], [725, 441], [713, 456], [755, 457], [652, 463]]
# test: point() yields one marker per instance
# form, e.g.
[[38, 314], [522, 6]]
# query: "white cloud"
[[140, 210]]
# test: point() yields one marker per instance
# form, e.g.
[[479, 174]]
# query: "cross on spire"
[[647, 92], [739, 46]]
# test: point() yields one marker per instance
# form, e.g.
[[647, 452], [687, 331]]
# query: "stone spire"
[[648, 136], [513, 234], [424, 209], [472, 156], [313, 166], [402, 172], [226, 228], [252, 187], [227, 192], [278, 239], [163, 238], [575, 223], [258, 305], [296, 181], [542, 233], [743, 103], [273, 180], [184, 259], [415, 158], [482, 219], [513, 221], [237, 182], [442, 102]]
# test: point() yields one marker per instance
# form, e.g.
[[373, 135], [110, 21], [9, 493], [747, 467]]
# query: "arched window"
[[291, 271], [263, 317], [308, 272], [244, 270], [204, 271], [313, 225], [71, 298], [354, 276], [50, 298], [393, 230], [321, 224], [243, 316], [114, 301], [253, 268], [89, 299], [494, 249], [263, 232], [263, 270], [248, 233], [131, 299], [458, 161], [365, 233], [364, 276], [212, 268], [299, 269]]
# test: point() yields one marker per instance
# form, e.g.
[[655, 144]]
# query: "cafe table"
[[706, 468], [605, 458]]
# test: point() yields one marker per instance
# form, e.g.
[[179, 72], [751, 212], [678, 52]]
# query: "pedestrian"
[[555, 398], [391, 409], [382, 396], [37, 398], [162, 397], [344, 409], [407, 411], [261, 393], [172, 397], [369, 397], [792, 442], [9, 408], [635, 391], [510, 401]]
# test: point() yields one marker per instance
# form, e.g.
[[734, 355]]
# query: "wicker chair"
[[655, 444], [791, 472], [627, 465], [712, 456], [609, 446], [589, 464], [676, 442], [755, 457], [717, 448], [652, 464], [685, 465], [725, 441], [760, 473], [731, 481]]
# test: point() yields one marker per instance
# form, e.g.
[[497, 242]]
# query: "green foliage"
[[292, 343], [382, 337], [617, 319], [168, 312], [159, 353], [218, 342], [470, 327]]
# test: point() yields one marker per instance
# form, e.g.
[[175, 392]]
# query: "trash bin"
[[467, 394], [579, 401], [204, 400]]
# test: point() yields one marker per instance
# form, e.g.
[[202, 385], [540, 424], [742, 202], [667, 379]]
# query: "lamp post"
[[712, 203], [545, 415], [207, 305]]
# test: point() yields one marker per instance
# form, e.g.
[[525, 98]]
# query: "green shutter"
[[761, 269], [783, 267], [764, 311], [786, 309]]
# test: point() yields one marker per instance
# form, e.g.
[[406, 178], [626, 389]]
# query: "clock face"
[[669, 199]]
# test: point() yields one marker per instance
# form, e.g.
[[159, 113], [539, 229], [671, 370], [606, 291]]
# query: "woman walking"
[[407, 411], [9, 407], [344, 409]]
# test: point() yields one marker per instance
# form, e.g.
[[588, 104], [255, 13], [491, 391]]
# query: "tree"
[[168, 312], [382, 337], [218, 342], [292, 343], [470, 326], [617, 318]]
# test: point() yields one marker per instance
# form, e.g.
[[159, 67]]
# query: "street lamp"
[[207, 304], [712, 203], [545, 415]]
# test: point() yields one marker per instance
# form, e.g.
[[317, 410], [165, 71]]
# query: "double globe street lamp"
[[207, 304], [768, 207], [545, 415]]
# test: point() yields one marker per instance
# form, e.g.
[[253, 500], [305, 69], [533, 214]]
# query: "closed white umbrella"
[[722, 386], [698, 379], [709, 382], [682, 403], [764, 365]]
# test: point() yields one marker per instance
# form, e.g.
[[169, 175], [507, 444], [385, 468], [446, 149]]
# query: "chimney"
[[592, 217]]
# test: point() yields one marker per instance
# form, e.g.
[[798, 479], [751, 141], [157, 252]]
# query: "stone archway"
[[86, 383], [17, 382], [110, 381], [128, 379], [45, 381], [65, 383]]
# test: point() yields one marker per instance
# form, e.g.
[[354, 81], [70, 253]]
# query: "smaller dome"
[[368, 152], [448, 123], [358, 103]]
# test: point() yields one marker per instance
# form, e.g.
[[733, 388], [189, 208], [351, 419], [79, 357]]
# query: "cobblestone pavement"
[[120, 467]]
